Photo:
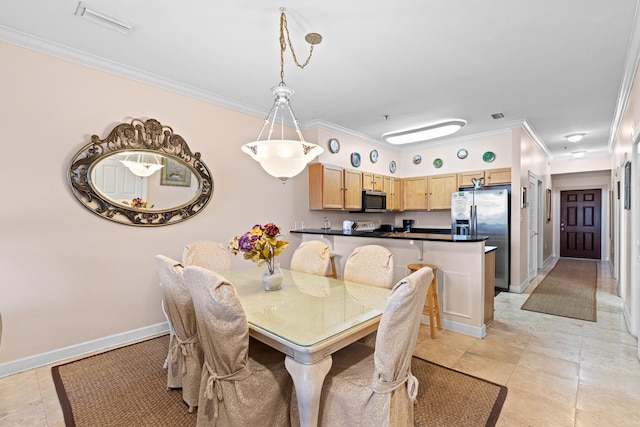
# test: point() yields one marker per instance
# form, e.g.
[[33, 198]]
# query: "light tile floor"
[[559, 371]]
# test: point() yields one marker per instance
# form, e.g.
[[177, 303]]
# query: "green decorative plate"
[[489, 156], [437, 163]]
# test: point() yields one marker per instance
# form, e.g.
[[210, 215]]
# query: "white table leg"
[[307, 380]]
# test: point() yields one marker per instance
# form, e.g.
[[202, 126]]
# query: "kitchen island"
[[460, 262]]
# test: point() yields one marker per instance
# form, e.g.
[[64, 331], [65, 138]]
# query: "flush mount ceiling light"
[[284, 158], [578, 154], [575, 137], [88, 12], [424, 133], [142, 166]]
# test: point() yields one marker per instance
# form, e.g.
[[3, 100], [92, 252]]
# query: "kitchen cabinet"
[[489, 285], [501, 176], [440, 188], [371, 181], [414, 193], [334, 188], [393, 188]]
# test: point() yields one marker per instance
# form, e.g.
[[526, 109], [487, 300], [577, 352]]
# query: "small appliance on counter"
[[407, 224], [387, 227], [363, 226]]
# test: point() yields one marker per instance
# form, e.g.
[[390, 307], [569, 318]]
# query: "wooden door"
[[580, 226], [415, 193], [352, 190]]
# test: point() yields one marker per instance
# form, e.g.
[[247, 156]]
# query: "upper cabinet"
[[372, 181], [393, 187], [414, 193], [440, 188], [332, 187], [489, 177]]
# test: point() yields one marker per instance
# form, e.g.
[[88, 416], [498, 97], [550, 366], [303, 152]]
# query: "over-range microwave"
[[374, 201]]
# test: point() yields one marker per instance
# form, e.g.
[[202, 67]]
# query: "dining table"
[[308, 319]]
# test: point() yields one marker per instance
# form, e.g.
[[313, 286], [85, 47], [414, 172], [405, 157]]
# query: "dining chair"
[[185, 358], [311, 257], [370, 265], [244, 382], [375, 387], [208, 254]]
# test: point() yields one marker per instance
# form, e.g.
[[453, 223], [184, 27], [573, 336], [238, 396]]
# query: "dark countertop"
[[395, 235]]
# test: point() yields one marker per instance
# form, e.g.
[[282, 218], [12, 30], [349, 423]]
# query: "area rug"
[[127, 387], [569, 290]]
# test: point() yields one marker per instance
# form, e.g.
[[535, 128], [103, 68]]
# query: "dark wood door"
[[580, 220]]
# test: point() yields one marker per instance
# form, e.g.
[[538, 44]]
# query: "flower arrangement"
[[260, 244], [136, 203]]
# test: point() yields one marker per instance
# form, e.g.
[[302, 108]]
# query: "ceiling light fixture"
[[86, 11], [142, 166], [424, 133], [575, 137], [284, 158], [578, 154]]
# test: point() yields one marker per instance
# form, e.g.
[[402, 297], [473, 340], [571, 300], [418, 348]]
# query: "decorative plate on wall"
[[462, 153], [417, 159], [355, 160], [373, 156], [334, 145], [489, 156], [437, 163], [392, 167]]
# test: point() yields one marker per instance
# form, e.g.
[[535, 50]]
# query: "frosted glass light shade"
[[282, 158], [140, 168], [424, 133]]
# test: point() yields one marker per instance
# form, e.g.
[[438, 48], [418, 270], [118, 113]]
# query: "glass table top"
[[309, 308]]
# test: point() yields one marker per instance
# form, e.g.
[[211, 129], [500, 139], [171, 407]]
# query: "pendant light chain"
[[312, 38]]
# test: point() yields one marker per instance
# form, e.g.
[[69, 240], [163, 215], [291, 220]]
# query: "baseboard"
[[520, 288], [100, 344], [461, 328]]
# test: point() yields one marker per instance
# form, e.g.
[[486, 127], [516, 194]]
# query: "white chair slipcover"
[[370, 265], [185, 358], [244, 382], [207, 254], [367, 387], [311, 257]]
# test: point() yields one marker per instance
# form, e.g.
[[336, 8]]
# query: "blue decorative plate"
[[417, 159], [437, 163], [355, 160], [392, 166], [373, 156]]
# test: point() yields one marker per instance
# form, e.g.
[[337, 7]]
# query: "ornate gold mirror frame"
[[146, 139]]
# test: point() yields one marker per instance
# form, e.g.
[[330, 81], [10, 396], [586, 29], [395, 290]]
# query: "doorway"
[[580, 223]]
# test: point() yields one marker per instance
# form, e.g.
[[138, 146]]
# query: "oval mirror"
[[141, 174]]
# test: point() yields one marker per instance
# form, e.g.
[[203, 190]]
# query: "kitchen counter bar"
[[395, 235]]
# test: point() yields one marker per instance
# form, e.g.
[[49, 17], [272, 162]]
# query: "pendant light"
[[142, 167], [283, 158]]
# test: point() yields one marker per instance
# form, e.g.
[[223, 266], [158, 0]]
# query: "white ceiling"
[[559, 65]]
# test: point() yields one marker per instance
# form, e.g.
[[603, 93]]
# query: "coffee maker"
[[407, 225]]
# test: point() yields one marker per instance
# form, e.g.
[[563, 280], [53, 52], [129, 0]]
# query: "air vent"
[[88, 12], [497, 116]]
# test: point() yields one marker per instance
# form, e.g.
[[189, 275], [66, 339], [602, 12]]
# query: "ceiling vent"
[[497, 116], [86, 11]]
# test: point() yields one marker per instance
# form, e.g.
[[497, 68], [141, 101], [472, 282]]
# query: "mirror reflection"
[[144, 180], [140, 174]]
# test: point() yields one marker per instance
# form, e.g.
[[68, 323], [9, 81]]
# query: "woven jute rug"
[[569, 290], [127, 387]]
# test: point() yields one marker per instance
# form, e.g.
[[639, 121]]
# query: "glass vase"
[[272, 281]]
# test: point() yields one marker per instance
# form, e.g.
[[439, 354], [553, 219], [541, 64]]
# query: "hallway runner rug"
[[569, 290], [128, 387]]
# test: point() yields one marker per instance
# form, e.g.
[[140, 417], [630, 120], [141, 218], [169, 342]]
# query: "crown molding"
[[57, 50], [630, 68], [536, 139]]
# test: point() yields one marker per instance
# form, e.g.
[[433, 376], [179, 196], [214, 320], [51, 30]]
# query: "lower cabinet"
[[489, 285]]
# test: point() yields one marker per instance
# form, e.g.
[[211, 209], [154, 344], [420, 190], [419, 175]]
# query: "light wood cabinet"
[[393, 188], [372, 181], [440, 188], [414, 193], [501, 176], [497, 176], [334, 188]]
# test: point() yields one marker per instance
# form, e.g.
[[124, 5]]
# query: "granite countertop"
[[395, 235]]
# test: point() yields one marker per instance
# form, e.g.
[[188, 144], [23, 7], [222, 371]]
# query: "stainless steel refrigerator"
[[486, 212]]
